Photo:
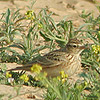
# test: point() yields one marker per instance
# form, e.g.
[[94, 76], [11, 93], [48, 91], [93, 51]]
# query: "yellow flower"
[[8, 75], [39, 26], [82, 85], [29, 14], [63, 81], [85, 83], [63, 75], [66, 75], [96, 49], [36, 68], [58, 78], [99, 32], [24, 77], [36, 78]]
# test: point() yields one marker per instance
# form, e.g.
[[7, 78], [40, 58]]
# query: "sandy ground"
[[62, 8]]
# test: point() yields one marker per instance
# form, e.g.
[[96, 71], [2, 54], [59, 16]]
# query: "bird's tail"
[[24, 67]]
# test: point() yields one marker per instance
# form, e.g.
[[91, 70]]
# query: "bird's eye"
[[74, 46]]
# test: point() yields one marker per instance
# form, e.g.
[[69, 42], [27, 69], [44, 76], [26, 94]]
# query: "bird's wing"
[[52, 59], [49, 60]]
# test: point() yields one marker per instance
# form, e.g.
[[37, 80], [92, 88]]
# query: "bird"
[[65, 59]]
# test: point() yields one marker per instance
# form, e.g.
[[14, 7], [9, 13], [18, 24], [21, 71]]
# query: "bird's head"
[[75, 46]]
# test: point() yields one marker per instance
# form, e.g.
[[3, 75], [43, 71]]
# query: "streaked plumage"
[[67, 59]]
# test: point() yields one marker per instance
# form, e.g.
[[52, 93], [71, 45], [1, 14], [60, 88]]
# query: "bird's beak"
[[84, 47]]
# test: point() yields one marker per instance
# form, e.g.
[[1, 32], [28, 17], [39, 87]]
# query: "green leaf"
[[18, 45], [91, 37], [98, 36], [44, 36], [16, 32], [2, 38], [8, 15], [82, 26], [40, 48], [53, 23], [15, 15]]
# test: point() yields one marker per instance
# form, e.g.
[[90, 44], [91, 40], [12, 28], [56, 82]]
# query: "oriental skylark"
[[67, 59]]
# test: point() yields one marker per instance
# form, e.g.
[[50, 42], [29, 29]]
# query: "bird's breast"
[[73, 64]]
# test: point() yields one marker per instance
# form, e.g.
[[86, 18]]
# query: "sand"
[[71, 9]]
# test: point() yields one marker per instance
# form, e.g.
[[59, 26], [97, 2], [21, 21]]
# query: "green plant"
[[91, 58], [43, 26], [10, 27]]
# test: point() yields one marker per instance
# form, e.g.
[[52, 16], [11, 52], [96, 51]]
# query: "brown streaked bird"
[[67, 59]]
